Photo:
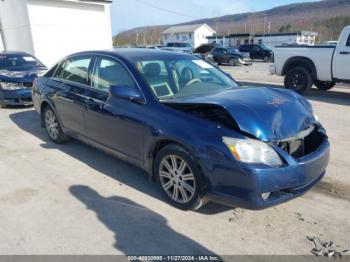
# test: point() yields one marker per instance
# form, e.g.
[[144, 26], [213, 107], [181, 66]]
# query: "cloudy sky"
[[127, 14]]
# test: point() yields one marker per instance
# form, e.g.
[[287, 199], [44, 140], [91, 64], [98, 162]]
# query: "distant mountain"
[[327, 17]]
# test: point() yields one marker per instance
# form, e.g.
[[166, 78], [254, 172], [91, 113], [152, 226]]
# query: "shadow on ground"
[[332, 96], [121, 171], [137, 230]]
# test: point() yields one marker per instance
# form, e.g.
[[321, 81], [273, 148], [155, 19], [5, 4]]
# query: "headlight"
[[252, 151], [317, 118], [11, 86]]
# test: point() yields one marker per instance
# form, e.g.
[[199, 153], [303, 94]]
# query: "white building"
[[191, 34], [270, 40], [52, 29]]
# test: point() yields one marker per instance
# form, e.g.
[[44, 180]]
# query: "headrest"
[[186, 74], [152, 69]]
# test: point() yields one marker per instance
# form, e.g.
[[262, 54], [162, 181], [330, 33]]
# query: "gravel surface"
[[74, 199]]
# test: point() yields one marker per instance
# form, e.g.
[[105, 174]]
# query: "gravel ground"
[[74, 199]]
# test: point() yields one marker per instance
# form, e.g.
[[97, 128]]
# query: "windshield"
[[186, 76], [183, 45], [233, 51], [265, 47], [18, 62]]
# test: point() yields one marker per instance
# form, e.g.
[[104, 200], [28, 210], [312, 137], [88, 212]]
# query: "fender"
[[300, 61]]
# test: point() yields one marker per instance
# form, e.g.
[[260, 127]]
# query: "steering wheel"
[[193, 81]]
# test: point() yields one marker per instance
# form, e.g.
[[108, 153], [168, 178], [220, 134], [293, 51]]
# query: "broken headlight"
[[252, 151], [11, 86]]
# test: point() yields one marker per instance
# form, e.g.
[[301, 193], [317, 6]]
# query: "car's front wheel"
[[53, 127], [267, 59], [324, 85], [179, 177], [233, 62]]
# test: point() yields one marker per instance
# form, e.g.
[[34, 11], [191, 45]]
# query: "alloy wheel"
[[52, 124], [177, 179]]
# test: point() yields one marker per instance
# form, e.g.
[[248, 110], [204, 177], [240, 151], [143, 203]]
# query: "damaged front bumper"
[[16, 97], [247, 186]]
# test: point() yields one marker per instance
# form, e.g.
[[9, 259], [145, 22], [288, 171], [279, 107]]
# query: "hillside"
[[327, 17]]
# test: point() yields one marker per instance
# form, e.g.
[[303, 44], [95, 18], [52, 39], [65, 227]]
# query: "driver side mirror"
[[126, 93]]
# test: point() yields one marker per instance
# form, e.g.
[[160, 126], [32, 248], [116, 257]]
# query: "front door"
[[342, 59], [112, 122], [70, 83]]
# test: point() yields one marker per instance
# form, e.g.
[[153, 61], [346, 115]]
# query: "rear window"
[[18, 62], [348, 42]]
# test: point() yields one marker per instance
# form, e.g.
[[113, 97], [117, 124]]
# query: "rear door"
[[114, 123], [342, 59], [70, 83]]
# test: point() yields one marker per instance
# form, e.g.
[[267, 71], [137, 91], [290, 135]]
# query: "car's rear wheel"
[[179, 177], [53, 127], [324, 85], [298, 79]]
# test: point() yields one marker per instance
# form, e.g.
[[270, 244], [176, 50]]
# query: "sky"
[[128, 14]]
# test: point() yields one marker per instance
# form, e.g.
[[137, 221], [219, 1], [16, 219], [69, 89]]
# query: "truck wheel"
[[179, 177], [324, 85], [298, 79]]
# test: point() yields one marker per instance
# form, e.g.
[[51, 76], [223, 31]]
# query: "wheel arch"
[[156, 147], [45, 103], [300, 61]]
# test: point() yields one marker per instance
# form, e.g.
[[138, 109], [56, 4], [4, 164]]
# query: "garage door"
[[63, 27]]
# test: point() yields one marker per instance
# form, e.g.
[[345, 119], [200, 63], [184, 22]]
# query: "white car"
[[323, 66], [179, 47]]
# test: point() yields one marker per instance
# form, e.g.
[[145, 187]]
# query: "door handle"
[[92, 103], [345, 53]]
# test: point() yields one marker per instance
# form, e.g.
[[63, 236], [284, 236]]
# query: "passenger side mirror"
[[126, 93]]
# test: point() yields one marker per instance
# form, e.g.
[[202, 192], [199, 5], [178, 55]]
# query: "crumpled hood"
[[25, 76], [267, 114]]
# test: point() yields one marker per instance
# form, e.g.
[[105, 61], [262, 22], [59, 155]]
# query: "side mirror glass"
[[126, 93]]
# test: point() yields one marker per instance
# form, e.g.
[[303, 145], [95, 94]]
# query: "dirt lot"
[[73, 199]]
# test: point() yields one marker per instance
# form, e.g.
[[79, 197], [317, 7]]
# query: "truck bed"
[[320, 55]]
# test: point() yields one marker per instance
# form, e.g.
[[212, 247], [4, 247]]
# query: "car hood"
[[265, 113], [23, 76]]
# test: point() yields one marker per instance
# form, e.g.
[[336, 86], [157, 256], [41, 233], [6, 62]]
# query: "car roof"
[[136, 53]]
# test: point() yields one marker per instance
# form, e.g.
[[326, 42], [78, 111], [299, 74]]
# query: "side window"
[[107, 73], [348, 42], [75, 70]]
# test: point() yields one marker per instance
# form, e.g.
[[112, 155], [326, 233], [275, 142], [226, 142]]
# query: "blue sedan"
[[198, 133], [17, 73]]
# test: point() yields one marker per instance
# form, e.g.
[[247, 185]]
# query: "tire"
[[52, 126], [188, 183], [232, 62], [2, 105], [324, 85], [267, 59], [298, 79]]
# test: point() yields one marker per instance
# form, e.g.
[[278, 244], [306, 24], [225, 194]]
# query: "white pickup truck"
[[323, 66]]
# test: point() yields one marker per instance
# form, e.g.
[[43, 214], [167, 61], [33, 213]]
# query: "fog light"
[[265, 196]]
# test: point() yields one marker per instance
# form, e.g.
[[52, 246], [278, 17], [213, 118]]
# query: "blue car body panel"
[[132, 131]]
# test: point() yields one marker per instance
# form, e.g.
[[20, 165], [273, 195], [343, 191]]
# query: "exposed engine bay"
[[302, 144]]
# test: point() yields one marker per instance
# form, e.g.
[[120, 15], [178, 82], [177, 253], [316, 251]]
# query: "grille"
[[306, 142]]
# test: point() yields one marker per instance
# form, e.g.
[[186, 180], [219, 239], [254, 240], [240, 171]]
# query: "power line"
[[166, 10]]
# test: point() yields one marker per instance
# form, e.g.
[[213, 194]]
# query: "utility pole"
[[265, 17]]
